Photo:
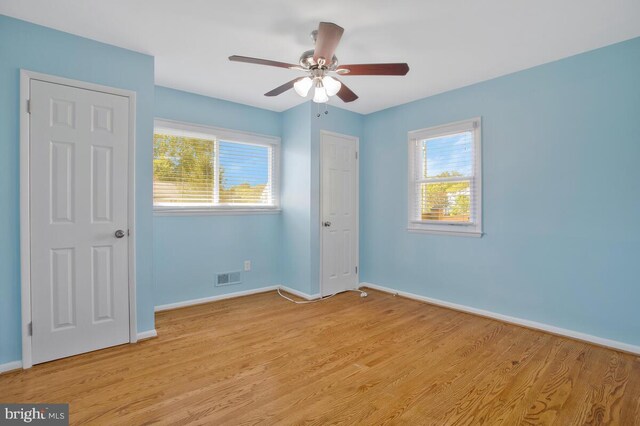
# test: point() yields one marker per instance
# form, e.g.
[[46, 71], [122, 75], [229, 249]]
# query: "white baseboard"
[[193, 302], [600, 341], [147, 334], [209, 299], [10, 366], [300, 293], [15, 365]]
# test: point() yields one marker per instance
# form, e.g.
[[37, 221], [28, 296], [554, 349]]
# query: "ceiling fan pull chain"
[[326, 109]]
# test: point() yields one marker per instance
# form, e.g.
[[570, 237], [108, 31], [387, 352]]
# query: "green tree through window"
[[184, 172], [448, 201]]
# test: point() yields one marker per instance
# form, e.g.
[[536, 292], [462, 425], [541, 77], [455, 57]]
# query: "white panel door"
[[78, 200], [339, 216]]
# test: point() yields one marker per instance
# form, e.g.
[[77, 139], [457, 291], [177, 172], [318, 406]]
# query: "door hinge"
[[30, 329], [28, 106], [356, 269], [356, 155]]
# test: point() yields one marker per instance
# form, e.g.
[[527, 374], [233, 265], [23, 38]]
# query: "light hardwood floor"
[[346, 360]]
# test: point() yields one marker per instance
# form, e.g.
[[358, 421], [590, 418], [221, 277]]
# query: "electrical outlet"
[[247, 265]]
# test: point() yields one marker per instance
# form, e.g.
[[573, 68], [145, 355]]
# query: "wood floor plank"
[[554, 382], [376, 375], [630, 404], [452, 404], [409, 382], [379, 360]]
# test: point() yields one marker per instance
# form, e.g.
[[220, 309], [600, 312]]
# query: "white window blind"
[[196, 170], [444, 179], [245, 173]]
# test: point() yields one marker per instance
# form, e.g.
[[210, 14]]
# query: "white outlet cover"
[[247, 265]]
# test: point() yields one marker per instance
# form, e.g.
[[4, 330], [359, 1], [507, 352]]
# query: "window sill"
[[455, 233], [220, 211]]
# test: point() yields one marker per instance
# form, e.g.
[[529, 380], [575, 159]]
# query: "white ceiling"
[[447, 43]]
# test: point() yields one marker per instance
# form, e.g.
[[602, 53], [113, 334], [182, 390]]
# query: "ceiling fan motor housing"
[[307, 61]]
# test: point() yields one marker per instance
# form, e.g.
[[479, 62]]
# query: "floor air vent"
[[228, 278]]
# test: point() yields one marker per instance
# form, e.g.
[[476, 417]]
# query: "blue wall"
[[36, 48], [301, 189], [189, 251], [560, 177], [295, 198], [561, 145]]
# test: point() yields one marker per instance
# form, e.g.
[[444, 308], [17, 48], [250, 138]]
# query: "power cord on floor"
[[362, 292], [302, 302]]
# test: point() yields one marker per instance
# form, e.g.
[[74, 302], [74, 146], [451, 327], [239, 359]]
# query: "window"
[[200, 170], [445, 188]]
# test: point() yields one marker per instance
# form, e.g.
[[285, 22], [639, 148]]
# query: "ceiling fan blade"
[[327, 40], [345, 93], [375, 69], [258, 61], [281, 89]]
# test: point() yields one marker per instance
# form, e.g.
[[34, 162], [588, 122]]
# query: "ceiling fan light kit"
[[303, 86], [325, 86], [320, 95], [331, 85], [318, 69]]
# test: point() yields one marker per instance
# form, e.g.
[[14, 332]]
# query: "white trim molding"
[[299, 293], [209, 299], [599, 341], [213, 211], [149, 334], [10, 366], [416, 223], [443, 232], [216, 135], [25, 220], [218, 132], [193, 302], [356, 140]]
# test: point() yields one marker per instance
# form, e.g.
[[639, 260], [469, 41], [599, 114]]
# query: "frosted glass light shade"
[[331, 85], [302, 86], [320, 95]]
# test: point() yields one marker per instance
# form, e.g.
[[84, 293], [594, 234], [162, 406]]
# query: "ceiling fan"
[[321, 66]]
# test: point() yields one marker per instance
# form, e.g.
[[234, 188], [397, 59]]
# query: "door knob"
[[119, 233], [327, 224]]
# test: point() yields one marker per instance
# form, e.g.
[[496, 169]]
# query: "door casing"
[[357, 192], [25, 216]]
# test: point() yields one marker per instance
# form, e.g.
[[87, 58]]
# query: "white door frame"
[[25, 217], [357, 192]]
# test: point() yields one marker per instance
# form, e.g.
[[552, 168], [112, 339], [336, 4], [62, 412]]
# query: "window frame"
[[414, 224], [227, 135]]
